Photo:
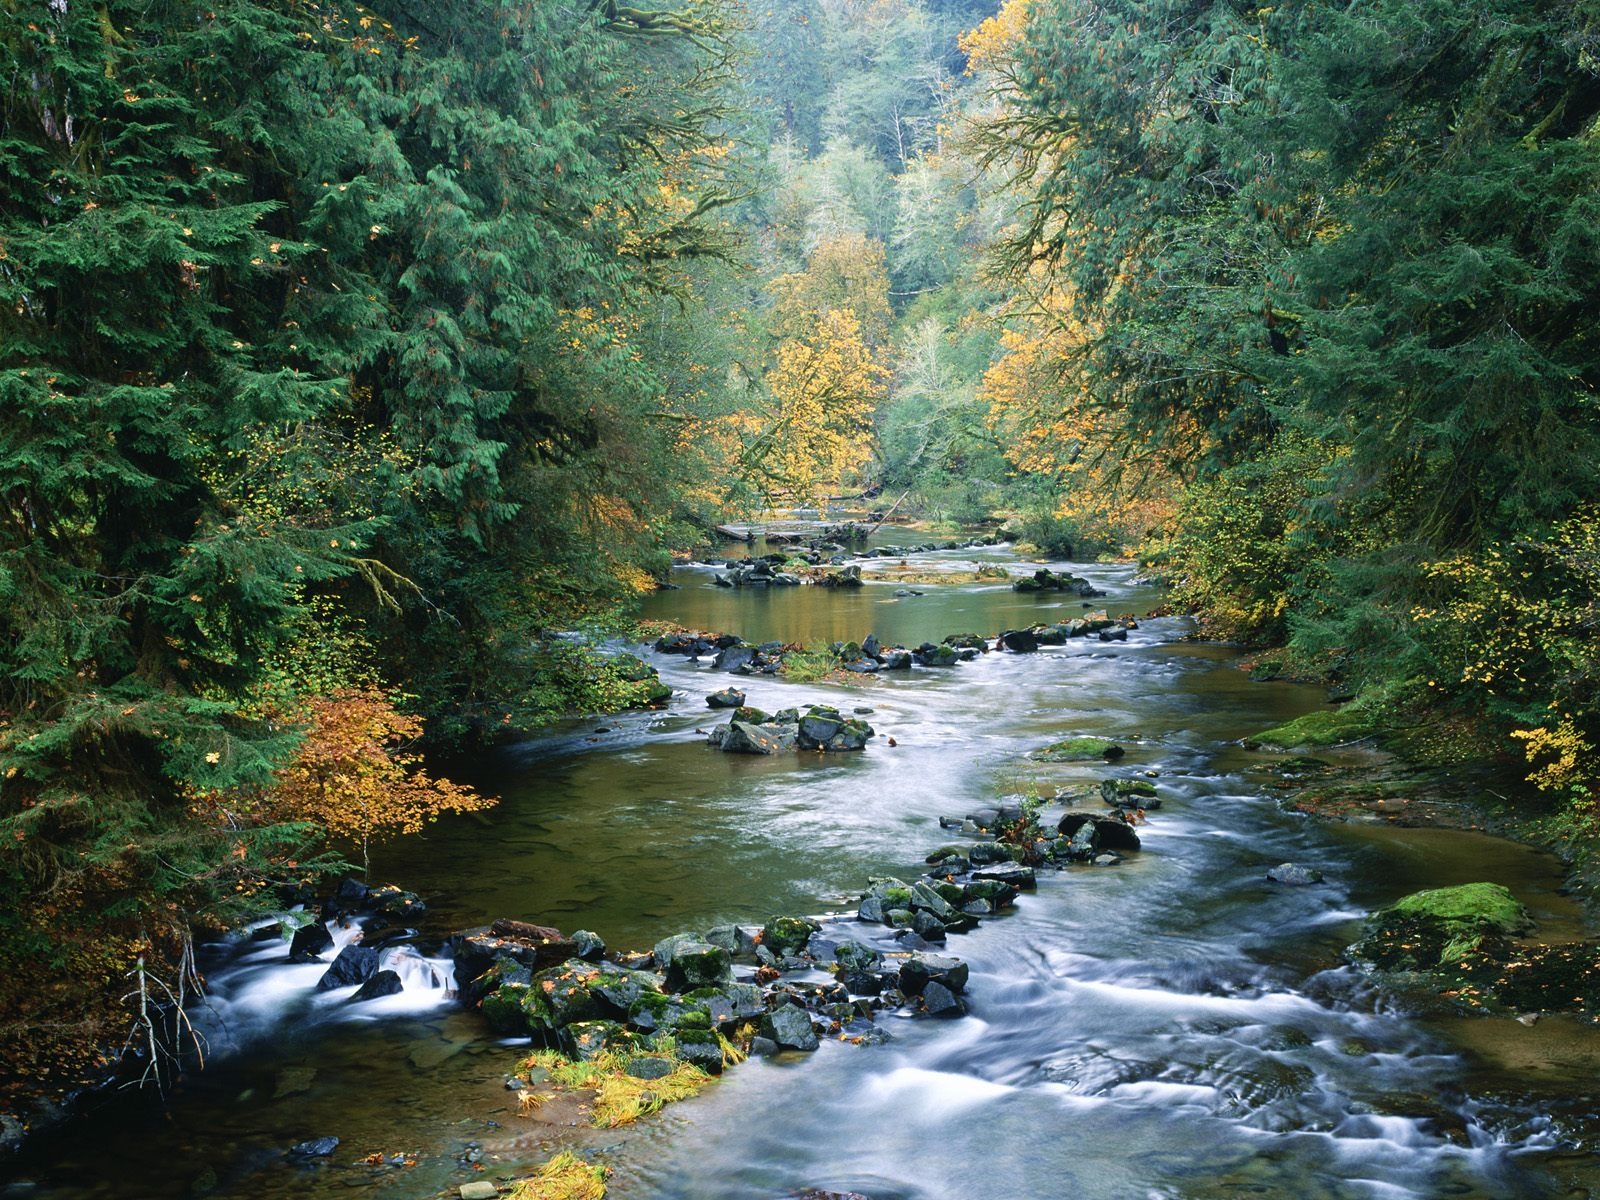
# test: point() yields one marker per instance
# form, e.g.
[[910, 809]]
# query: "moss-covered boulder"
[[1327, 727], [1079, 749], [1440, 927], [502, 1008], [698, 965], [787, 935], [567, 992], [823, 727], [1129, 793]]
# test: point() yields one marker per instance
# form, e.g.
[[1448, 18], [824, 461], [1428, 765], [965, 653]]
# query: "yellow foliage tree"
[[354, 775], [846, 272], [825, 386], [1044, 411]]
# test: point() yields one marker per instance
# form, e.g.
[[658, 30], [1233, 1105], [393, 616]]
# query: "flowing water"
[[1173, 1026]]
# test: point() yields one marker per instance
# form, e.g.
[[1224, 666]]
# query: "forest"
[[350, 354]]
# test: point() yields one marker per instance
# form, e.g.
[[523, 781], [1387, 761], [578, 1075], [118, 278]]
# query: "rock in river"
[[355, 964]]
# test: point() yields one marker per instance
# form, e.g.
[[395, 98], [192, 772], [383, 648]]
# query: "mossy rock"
[[1477, 905], [1078, 749], [1441, 927], [654, 1012], [630, 668], [1329, 727], [503, 1009], [787, 935]]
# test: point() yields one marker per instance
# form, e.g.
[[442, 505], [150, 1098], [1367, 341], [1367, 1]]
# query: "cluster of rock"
[[699, 989], [780, 569], [1046, 580], [869, 656], [728, 652], [1021, 844], [382, 913], [815, 727], [1098, 624], [766, 571], [731, 653]]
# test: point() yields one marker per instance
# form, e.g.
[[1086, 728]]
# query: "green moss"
[[1079, 749], [1327, 728], [502, 1008], [1485, 906]]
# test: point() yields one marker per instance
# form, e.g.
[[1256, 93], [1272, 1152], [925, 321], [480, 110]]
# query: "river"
[[1171, 1027]]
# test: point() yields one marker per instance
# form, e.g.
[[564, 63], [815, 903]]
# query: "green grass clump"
[[809, 665], [620, 1098], [564, 1177]]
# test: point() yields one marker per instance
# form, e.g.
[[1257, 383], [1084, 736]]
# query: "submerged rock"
[[1294, 875]]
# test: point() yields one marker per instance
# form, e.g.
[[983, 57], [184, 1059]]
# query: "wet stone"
[[650, 1068], [309, 942], [790, 1028], [940, 1001], [384, 983], [354, 965], [918, 970]]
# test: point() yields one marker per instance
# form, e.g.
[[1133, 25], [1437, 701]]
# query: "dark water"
[[1170, 1027]]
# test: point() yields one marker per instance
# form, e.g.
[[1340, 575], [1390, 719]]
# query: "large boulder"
[[694, 964], [309, 942], [917, 970], [823, 727], [1021, 641], [1129, 793], [741, 737], [726, 698], [845, 577], [790, 1027], [1104, 832], [732, 658], [383, 983], [533, 946], [355, 964], [1440, 926], [787, 935]]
